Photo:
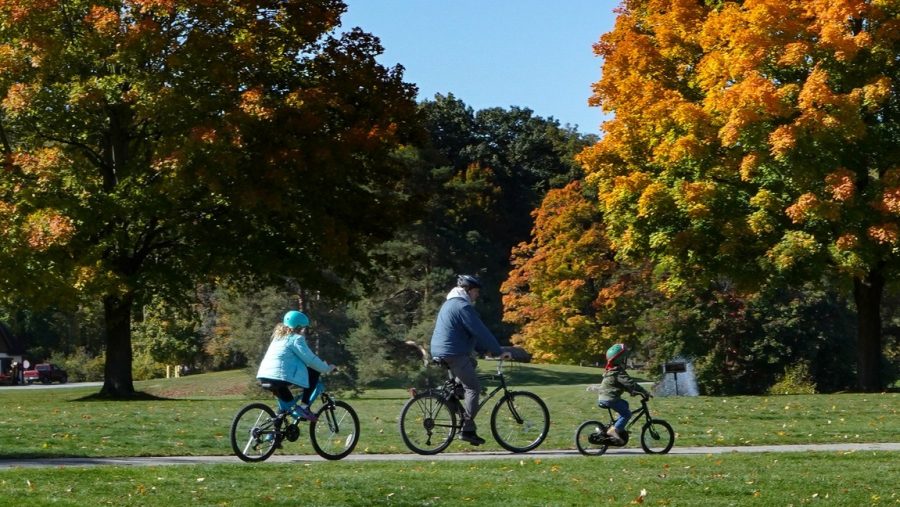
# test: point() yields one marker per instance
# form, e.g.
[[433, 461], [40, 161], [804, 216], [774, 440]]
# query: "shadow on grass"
[[137, 396], [41, 455], [528, 376]]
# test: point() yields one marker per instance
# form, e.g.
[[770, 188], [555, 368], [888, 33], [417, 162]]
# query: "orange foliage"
[[759, 118], [48, 228], [555, 292], [840, 184], [104, 20]]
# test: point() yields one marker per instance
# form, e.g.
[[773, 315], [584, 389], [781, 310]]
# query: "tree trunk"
[[868, 292], [118, 382]]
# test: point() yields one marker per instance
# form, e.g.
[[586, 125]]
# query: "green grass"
[[857, 479], [195, 417]]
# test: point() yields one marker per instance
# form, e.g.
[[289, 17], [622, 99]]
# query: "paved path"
[[459, 456]]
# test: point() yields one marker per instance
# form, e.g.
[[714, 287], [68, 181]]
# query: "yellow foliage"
[[695, 197], [794, 248], [651, 198], [748, 166]]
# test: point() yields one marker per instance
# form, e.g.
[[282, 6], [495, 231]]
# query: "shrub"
[[81, 365], [796, 379]]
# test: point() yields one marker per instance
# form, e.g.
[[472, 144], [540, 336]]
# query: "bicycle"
[[430, 419], [657, 436], [257, 431]]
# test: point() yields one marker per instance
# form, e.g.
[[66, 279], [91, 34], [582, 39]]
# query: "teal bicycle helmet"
[[294, 319]]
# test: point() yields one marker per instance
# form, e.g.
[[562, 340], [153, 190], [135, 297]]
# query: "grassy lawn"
[[840, 479], [193, 417]]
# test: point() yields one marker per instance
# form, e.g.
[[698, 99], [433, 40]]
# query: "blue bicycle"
[[257, 431]]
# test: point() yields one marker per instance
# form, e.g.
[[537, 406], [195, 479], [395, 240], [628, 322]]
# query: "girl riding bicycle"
[[615, 381], [289, 360]]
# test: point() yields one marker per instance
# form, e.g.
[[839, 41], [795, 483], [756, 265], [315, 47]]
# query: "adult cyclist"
[[458, 331]]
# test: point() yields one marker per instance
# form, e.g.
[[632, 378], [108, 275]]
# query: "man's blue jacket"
[[458, 330]]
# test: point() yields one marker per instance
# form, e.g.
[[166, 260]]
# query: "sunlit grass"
[[861, 478], [37, 422]]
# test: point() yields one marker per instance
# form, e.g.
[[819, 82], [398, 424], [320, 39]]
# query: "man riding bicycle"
[[458, 331]]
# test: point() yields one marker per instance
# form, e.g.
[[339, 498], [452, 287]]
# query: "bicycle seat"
[[439, 361]]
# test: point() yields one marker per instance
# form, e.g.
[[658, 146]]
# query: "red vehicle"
[[46, 373]]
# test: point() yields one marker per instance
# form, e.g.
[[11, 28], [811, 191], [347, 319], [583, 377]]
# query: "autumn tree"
[[566, 294], [755, 139], [152, 144]]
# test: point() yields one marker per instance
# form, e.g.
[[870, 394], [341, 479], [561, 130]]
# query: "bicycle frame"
[[451, 383], [636, 415]]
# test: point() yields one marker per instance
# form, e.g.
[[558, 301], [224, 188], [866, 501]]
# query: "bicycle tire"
[[657, 437], [520, 421], [254, 433], [583, 440], [336, 431], [427, 423]]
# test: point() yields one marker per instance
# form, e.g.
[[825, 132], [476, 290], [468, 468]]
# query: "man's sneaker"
[[471, 437], [304, 414]]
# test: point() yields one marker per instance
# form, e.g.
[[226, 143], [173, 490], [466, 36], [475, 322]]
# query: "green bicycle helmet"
[[294, 319], [616, 354]]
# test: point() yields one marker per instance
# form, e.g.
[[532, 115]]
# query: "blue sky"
[[495, 53]]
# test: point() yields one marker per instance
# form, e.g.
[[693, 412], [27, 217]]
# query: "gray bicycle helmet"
[[468, 282]]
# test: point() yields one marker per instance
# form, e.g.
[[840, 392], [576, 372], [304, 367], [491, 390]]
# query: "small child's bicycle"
[[257, 431], [657, 436]]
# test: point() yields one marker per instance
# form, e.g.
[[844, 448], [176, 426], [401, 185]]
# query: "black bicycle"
[[431, 418], [257, 431], [657, 436]]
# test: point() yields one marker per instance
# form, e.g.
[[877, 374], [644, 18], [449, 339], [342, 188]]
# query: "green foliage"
[[169, 333], [483, 173], [796, 379], [80, 365], [740, 343]]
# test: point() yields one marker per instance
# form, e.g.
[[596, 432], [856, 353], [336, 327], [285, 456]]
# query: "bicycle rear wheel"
[[589, 438], [336, 431], [520, 421], [427, 424], [254, 432], [657, 437]]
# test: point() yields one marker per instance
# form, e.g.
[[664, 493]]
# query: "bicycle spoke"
[[657, 437], [254, 432], [335, 434], [520, 421], [590, 438], [426, 424]]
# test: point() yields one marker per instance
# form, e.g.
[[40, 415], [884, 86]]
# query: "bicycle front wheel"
[[589, 438], [657, 437], [520, 421], [427, 424], [336, 431], [254, 433]]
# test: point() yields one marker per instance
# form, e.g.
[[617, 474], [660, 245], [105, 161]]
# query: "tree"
[[150, 145], [755, 139], [566, 293], [479, 176]]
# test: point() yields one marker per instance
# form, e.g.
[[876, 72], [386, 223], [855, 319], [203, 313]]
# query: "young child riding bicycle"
[[615, 381], [289, 360]]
